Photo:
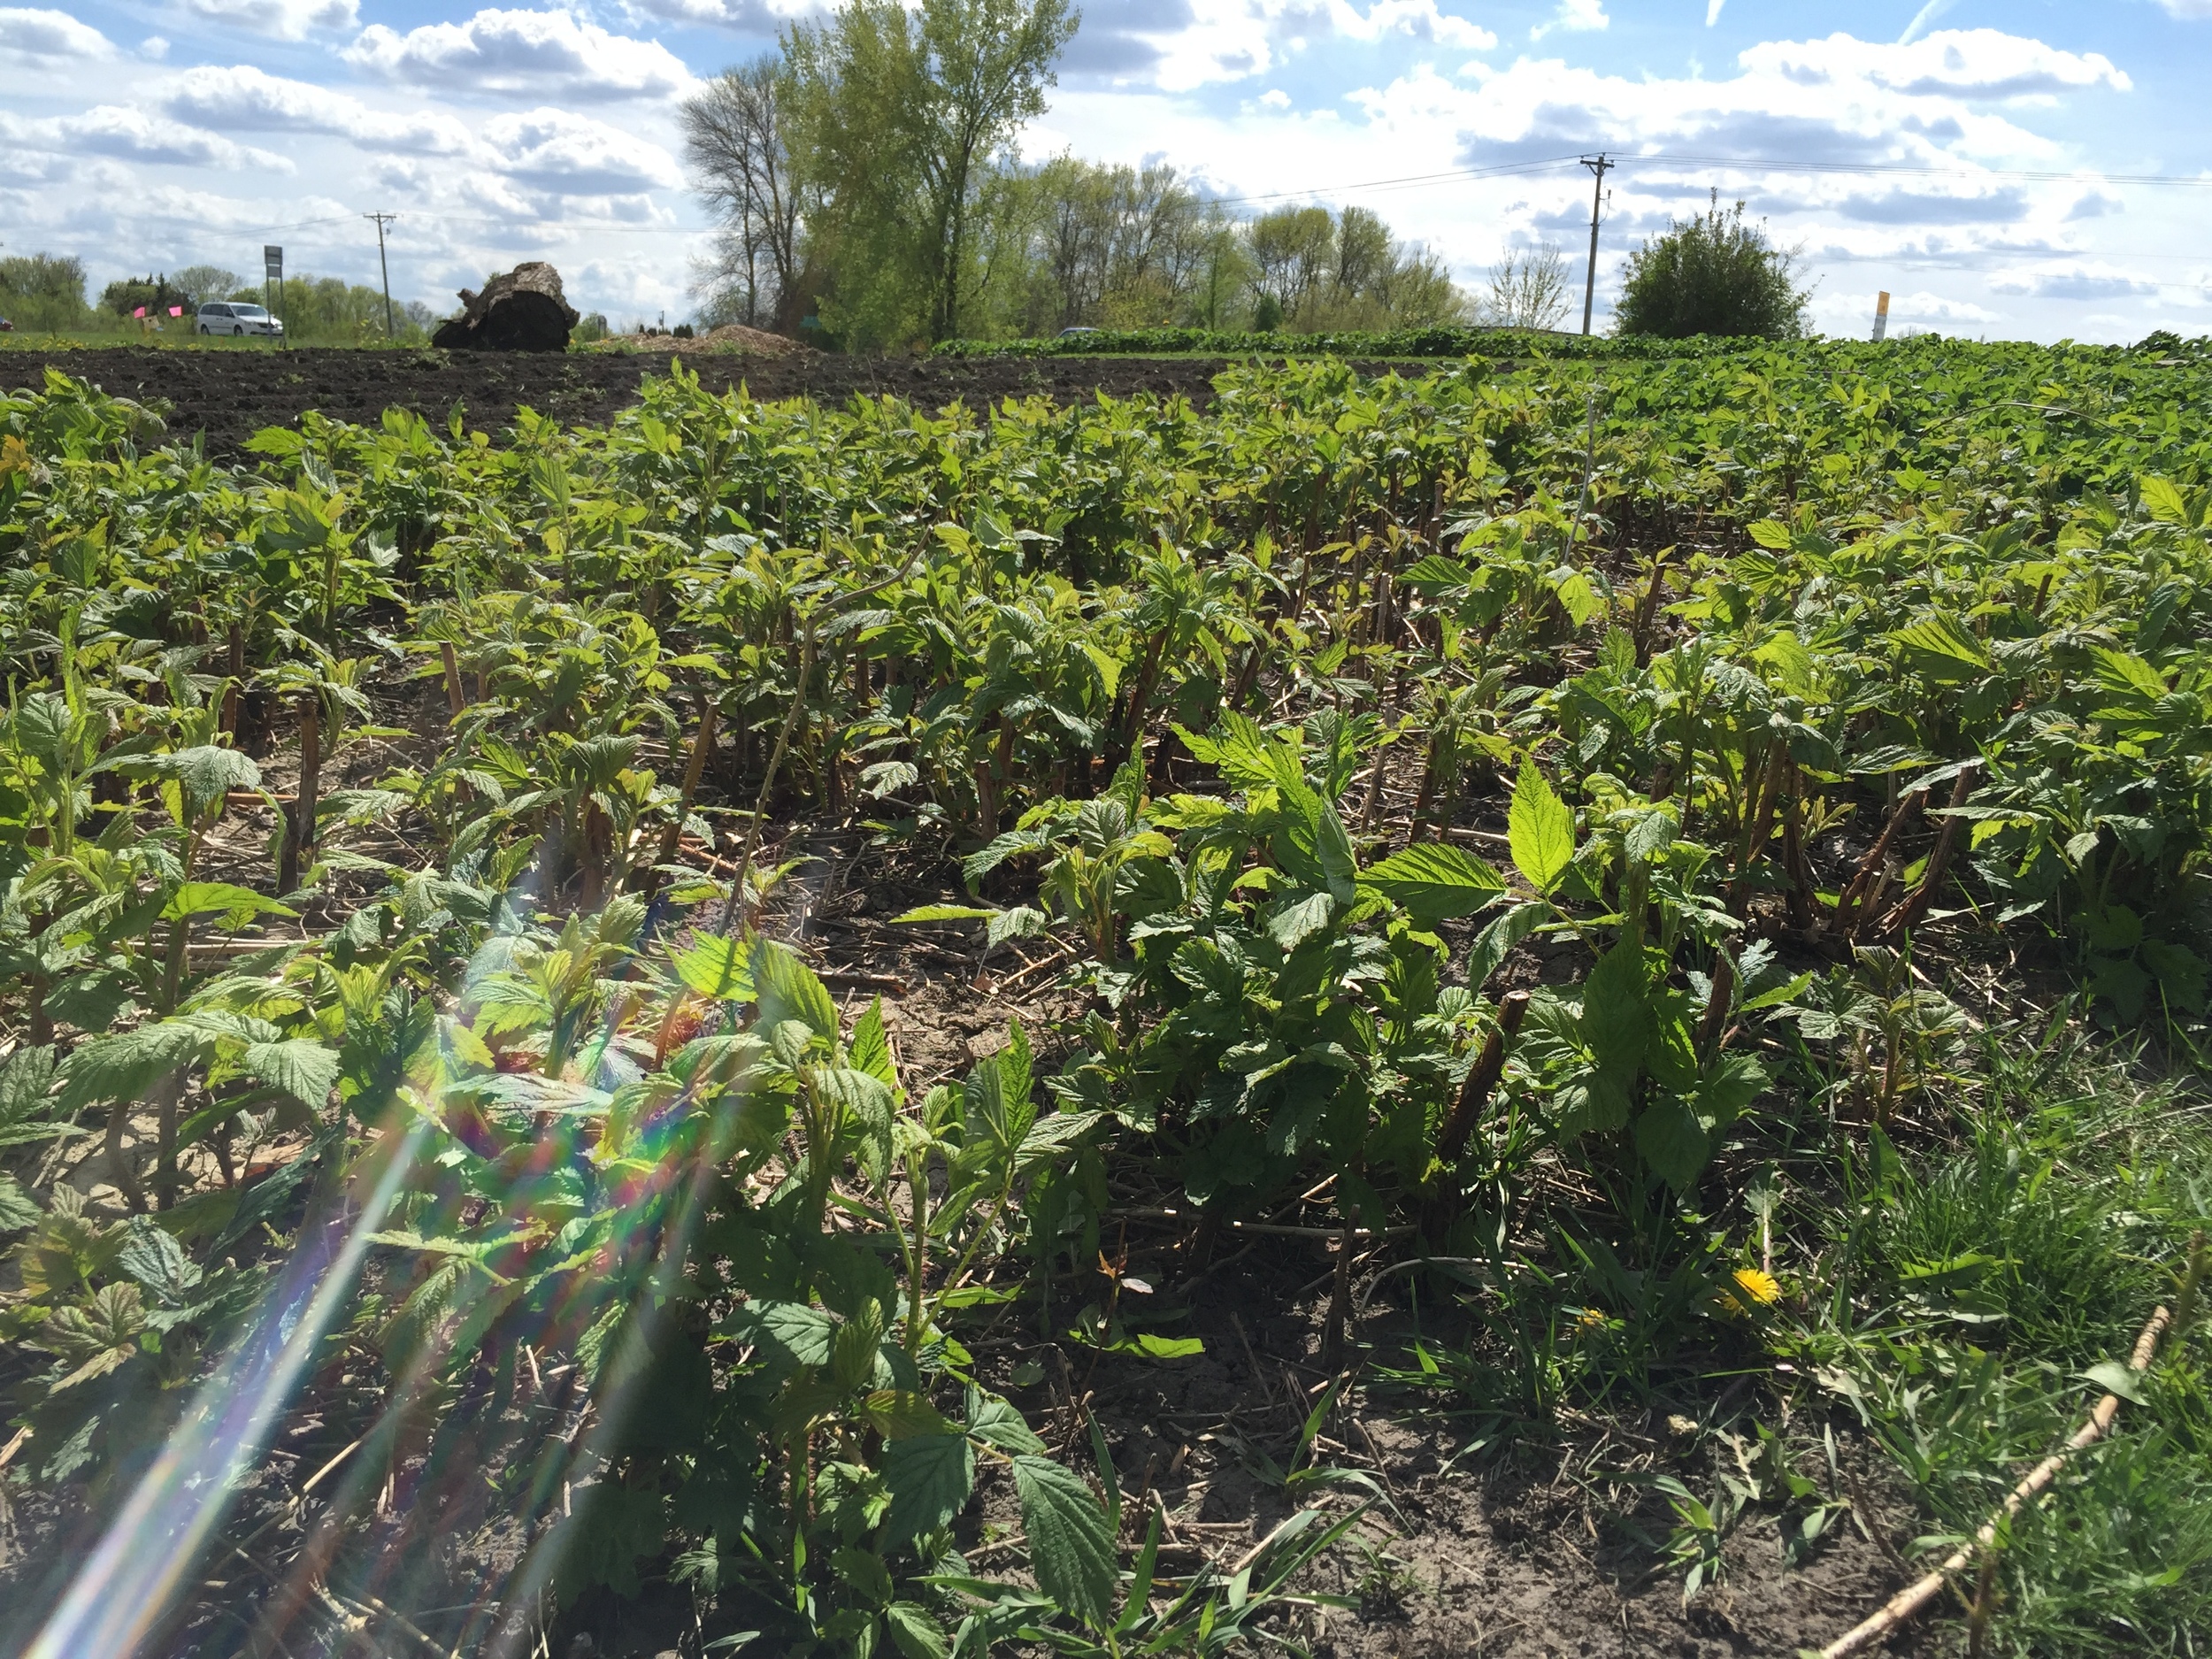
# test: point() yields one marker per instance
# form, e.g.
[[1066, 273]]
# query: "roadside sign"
[[273, 262]]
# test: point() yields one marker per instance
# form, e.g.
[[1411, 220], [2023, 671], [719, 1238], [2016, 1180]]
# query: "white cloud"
[[523, 54], [1712, 12], [40, 36], [1580, 14], [1419, 19], [131, 134], [2187, 8], [153, 49], [286, 20], [1852, 314], [2078, 280], [1179, 45], [1275, 98], [560, 152], [242, 98], [746, 16], [1958, 63]]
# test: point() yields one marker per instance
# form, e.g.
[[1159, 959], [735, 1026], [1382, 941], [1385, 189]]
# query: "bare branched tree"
[[734, 138], [1528, 289]]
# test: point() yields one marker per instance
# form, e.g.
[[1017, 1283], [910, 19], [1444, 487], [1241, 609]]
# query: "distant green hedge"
[[1442, 342], [1401, 342]]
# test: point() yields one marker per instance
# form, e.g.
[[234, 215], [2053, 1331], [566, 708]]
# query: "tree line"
[[868, 190], [868, 193], [46, 293]]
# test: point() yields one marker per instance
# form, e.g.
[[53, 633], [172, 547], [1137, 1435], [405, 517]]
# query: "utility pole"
[[1599, 166], [383, 220]]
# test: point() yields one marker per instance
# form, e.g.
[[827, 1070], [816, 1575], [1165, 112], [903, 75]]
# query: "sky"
[[1995, 166]]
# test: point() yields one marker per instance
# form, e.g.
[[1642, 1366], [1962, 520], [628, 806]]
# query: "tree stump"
[[522, 310]]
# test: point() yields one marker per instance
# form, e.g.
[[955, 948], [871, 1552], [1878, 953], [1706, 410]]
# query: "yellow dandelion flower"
[[1760, 1286]]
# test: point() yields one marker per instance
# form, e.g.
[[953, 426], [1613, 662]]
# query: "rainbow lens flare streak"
[[132, 1581], [133, 1574]]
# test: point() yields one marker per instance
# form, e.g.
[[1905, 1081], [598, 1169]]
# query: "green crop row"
[[1492, 343], [1541, 804]]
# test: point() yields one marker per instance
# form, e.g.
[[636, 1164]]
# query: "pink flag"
[[176, 310], [140, 311]]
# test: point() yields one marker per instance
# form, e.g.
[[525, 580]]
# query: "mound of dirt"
[[729, 339]]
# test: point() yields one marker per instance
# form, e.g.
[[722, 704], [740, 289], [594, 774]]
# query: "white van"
[[237, 319]]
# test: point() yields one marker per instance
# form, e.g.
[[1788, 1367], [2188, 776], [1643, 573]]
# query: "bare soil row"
[[229, 395]]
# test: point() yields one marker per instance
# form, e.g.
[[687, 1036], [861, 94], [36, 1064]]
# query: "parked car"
[[237, 319]]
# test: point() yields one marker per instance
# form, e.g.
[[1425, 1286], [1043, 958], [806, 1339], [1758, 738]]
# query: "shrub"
[[1712, 275]]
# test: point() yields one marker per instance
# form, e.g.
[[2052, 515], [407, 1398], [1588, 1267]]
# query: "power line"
[[1900, 170], [1767, 163], [1452, 176]]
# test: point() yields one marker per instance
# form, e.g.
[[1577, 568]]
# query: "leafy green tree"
[[204, 283], [43, 291], [1315, 272], [1714, 275], [899, 120], [126, 294]]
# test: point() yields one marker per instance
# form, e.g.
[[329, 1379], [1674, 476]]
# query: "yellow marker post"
[[1881, 317]]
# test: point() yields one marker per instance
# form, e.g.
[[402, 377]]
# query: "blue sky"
[[148, 134]]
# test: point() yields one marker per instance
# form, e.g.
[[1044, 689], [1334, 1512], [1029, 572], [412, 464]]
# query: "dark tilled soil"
[[229, 395]]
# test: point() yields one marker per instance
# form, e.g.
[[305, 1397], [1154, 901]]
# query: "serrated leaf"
[[25, 1078], [123, 1067], [1435, 576], [791, 990], [1616, 1011], [1339, 865], [1495, 942], [151, 1256], [897, 1414], [946, 913], [803, 1336], [999, 1422], [302, 1067], [1071, 1541], [930, 1477], [17, 1209], [1433, 881], [2166, 505], [1540, 830], [869, 1049], [914, 1633], [236, 905], [1942, 649], [1020, 921], [1674, 1143], [717, 967], [1293, 923], [206, 773]]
